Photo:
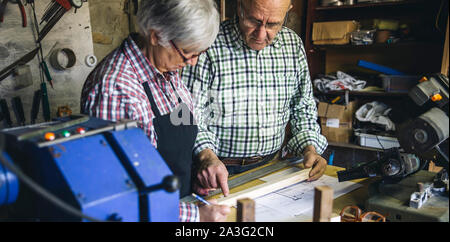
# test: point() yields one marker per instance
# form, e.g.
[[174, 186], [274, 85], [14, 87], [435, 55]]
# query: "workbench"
[[356, 197]]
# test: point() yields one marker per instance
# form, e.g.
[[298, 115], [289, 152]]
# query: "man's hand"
[[314, 160], [211, 174], [213, 212]]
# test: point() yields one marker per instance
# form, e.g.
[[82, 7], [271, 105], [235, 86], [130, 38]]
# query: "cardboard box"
[[342, 134], [333, 33], [336, 121], [336, 111]]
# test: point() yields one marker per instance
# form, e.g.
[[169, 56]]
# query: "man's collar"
[[237, 40]]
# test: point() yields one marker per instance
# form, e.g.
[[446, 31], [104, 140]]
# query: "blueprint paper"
[[296, 202]]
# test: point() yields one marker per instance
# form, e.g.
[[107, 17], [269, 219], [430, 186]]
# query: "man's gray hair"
[[193, 24]]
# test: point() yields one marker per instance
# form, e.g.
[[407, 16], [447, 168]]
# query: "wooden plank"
[[444, 68], [265, 188], [246, 210], [323, 204]]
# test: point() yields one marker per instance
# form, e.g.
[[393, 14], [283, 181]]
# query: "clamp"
[[21, 7]]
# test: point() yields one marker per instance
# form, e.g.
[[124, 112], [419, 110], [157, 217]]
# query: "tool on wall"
[[18, 111], [22, 61], [21, 7], [67, 63], [45, 102], [2, 9], [55, 11], [44, 72], [35, 106], [5, 113]]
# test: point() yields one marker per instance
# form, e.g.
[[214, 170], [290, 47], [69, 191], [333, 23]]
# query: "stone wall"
[[72, 31]]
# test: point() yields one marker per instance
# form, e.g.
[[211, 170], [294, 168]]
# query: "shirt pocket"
[[281, 94]]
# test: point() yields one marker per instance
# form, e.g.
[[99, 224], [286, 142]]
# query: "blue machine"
[[108, 171], [9, 185]]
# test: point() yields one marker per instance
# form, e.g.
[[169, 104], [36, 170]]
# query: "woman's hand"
[[213, 212]]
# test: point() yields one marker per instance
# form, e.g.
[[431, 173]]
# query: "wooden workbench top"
[[356, 197]]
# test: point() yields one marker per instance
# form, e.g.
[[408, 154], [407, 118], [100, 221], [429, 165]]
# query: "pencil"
[[201, 199]]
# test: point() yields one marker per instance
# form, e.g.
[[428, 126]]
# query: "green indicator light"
[[65, 133]]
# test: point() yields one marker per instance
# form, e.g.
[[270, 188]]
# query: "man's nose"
[[193, 61], [261, 32]]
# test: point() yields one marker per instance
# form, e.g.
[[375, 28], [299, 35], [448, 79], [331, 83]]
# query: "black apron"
[[175, 142]]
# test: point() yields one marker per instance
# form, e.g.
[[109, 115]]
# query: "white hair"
[[193, 24]]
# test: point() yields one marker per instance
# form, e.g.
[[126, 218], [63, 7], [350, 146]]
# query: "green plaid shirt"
[[245, 98]]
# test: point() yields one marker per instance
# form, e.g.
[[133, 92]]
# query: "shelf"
[[360, 93], [353, 146], [420, 53], [368, 5], [378, 45]]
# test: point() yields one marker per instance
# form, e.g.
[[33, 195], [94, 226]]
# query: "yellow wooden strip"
[[265, 188]]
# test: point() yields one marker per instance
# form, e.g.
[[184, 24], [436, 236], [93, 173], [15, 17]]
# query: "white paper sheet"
[[296, 202]]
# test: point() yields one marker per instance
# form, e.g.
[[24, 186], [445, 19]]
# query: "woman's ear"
[[154, 38]]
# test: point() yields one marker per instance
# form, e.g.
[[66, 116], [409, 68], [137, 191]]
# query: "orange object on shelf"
[[424, 79]]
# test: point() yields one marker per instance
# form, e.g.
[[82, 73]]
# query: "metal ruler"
[[240, 180]]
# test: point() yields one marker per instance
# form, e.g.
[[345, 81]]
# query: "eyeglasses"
[[254, 23], [185, 59]]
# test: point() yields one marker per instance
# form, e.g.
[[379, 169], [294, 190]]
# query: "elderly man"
[[140, 81], [248, 86]]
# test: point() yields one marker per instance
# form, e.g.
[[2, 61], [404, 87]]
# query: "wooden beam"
[[444, 68], [246, 210], [265, 188], [323, 204], [223, 11]]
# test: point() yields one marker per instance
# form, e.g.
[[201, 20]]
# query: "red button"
[[81, 130]]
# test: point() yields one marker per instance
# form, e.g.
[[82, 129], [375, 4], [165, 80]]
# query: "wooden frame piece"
[[246, 210], [323, 204], [265, 188]]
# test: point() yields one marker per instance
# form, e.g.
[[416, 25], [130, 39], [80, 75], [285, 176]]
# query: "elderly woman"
[[140, 81]]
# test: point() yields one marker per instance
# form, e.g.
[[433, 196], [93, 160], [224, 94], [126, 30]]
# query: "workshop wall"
[[96, 28], [110, 24], [72, 31]]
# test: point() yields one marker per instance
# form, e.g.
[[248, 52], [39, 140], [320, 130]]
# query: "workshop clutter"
[[399, 83], [355, 214], [374, 127], [340, 81], [336, 121], [377, 113], [333, 33], [383, 31]]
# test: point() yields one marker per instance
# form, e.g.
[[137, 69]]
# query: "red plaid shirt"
[[114, 91]]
